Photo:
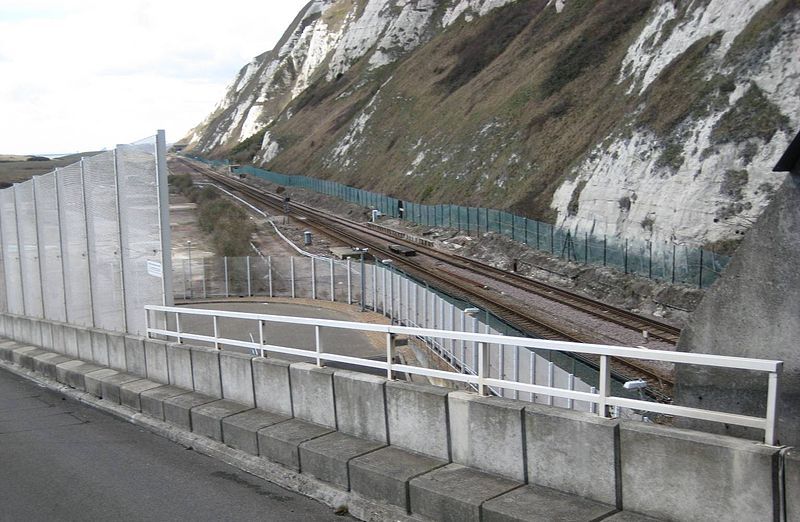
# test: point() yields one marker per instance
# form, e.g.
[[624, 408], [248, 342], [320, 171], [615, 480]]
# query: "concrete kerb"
[[152, 400], [155, 358], [541, 503], [179, 360], [312, 394], [417, 416], [358, 506], [661, 464], [360, 400], [23, 356], [328, 457], [94, 380], [205, 371], [240, 431], [207, 418], [111, 386], [487, 433], [236, 372], [130, 393], [271, 384], [135, 361], [280, 443], [177, 409], [573, 452]]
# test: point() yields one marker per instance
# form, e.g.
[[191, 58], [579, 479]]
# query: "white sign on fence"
[[154, 269]]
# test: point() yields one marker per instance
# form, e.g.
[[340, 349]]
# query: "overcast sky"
[[79, 75]]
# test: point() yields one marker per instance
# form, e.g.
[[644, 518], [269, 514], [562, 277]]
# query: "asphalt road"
[[61, 460]]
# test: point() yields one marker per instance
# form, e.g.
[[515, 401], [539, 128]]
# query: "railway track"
[[467, 289]]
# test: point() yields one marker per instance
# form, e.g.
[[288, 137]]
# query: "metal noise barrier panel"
[[85, 244]]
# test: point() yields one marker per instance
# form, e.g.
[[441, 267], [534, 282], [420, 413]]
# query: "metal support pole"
[[89, 249], [318, 345], [62, 254], [531, 371], [269, 274], [40, 253], [773, 394], [374, 287], [333, 282], [216, 332], [350, 284], [482, 359], [571, 387], [291, 274], [178, 327], [605, 386], [700, 281], [550, 381], [390, 342], [163, 223], [225, 266], [261, 337], [313, 278], [249, 284]]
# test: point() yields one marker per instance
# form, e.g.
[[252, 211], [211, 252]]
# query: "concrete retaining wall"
[[650, 469]]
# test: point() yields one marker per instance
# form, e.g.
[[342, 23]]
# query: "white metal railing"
[[603, 397]]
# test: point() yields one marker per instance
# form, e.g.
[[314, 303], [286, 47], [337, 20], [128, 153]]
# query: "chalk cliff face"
[[641, 119]]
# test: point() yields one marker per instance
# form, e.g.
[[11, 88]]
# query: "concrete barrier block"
[[792, 484], [312, 394], [116, 351], [111, 386], [179, 358], [327, 457], [72, 373], [271, 385], [240, 431], [207, 418], [540, 503], [84, 340], [16, 329], [70, 341], [130, 393], [46, 332], [237, 377], [24, 355], [177, 410], [59, 346], [662, 464], [558, 456], [280, 443], [99, 347], [3, 331], [360, 405], [155, 358], [487, 433], [7, 350], [152, 400], [455, 493], [205, 371], [134, 356], [417, 418], [46, 363], [94, 380], [383, 475]]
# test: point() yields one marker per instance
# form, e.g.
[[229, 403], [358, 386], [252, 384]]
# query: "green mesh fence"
[[668, 262]]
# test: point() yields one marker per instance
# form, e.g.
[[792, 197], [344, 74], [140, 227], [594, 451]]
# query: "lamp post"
[[191, 292]]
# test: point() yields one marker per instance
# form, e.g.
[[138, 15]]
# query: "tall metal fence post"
[[673, 263], [313, 278], [605, 386], [350, 284], [269, 275], [225, 265], [482, 360], [123, 243], [700, 280], [61, 248], [249, 285], [650, 260], [89, 249], [39, 252], [333, 282], [626, 256], [390, 342], [291, 274], [605, 245]]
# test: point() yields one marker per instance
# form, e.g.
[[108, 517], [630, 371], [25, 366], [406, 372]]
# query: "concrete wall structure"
[[431, 450], [751, 312]]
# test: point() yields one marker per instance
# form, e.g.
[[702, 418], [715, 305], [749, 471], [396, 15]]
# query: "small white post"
[[592, 405], [261, 336], [515, 375], [550, 379], [225, 265], [216, 333], [389, 354], [178, 326], [318, 345], [605, 386], [350, 282], [269, 274], [571, 387], [291, 273], [482, 360], [771, 422], [333, 282], [313, 278]]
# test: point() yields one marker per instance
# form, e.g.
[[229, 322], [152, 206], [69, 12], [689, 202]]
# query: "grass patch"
[[753, 116]]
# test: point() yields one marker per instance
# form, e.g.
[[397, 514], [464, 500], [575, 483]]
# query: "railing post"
[[550, 381], [390, 342], [605, 386], [178, 326], [225, 265], [249, 286], [773, 393], [216, 333], [482, 363], [313, 278], [593, 405], [147, 323], [318, 345], [261, 336], [350, 285], [269, 274], [291, 273], [333, 282]]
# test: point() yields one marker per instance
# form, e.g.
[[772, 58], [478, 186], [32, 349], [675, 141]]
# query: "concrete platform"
[[455, 493], [152, 400], [240, 431], [327, 457], [383, 475], [111, 386], [73, 373], [207, 418], [129, 393], [534, 503], [177, 410], [46, 363], [94, 380], [280, 443]]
